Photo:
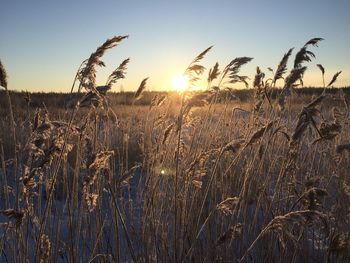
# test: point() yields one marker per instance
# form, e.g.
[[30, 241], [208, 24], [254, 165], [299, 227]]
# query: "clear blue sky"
[[43, 42]]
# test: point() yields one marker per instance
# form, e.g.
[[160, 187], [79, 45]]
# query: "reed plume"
[[232, 69], [321, 68], [213, 73], [88, 72], [282, 67], [118, 73], [305, 55], [334, 79], [140, 90], [194, 69]]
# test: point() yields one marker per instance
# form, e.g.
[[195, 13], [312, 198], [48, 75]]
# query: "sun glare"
[[180, 82]]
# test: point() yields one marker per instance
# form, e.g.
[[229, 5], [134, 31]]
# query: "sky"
[[44, 41]]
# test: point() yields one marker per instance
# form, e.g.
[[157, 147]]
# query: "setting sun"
[[180, 82]]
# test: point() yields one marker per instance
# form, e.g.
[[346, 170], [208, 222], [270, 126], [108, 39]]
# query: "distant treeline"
[[66, 100]]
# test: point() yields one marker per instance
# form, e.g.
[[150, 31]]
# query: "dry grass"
[[195, 178]]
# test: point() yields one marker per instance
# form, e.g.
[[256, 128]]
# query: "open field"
[[220, 175]]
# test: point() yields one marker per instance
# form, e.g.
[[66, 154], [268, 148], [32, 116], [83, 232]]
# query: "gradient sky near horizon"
[[43, 42]]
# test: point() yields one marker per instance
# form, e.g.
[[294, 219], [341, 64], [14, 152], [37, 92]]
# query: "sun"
[[180, 83]]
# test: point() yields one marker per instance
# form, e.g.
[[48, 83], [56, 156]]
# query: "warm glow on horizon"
[[161, 41], [180, 83]]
